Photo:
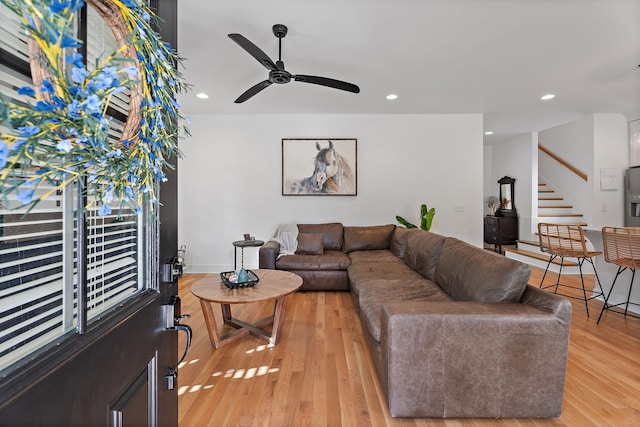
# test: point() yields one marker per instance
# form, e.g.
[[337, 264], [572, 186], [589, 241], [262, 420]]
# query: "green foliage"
[[426, 218]]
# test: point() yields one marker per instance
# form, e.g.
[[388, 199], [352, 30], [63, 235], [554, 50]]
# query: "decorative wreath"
[[62, 136]]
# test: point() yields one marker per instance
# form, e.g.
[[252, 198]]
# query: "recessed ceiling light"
[[489, 132], [202, 95], [392, 96], [547, 97]]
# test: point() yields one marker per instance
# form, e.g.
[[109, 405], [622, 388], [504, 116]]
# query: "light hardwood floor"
[[320, 374]]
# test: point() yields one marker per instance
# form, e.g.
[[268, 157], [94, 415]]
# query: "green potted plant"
[[426, 218]]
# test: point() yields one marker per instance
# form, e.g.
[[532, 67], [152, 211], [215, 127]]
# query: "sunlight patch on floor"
[[259, 348], [193, 389], [246, 373], [188, 362]]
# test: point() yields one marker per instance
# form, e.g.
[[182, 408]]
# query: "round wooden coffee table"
[[273, 285]]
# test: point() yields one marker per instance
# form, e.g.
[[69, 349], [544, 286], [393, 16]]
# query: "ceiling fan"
[[277, 73]]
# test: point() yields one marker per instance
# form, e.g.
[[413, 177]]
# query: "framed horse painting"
[[319, 167]]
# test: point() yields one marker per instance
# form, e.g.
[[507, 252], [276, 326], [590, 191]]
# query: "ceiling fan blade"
[[253, 90], [253, 50], [324, 81]]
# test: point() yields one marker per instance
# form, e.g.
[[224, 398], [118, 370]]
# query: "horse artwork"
[[333, 162]]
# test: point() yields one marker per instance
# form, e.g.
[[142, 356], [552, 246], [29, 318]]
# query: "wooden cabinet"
[[500, 230]]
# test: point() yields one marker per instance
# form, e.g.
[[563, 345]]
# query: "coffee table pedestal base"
[[243, 328]]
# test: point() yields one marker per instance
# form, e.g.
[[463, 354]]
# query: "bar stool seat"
[[622, 248], [567, 240]]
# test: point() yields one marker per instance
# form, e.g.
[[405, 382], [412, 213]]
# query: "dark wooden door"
[[115, 373]]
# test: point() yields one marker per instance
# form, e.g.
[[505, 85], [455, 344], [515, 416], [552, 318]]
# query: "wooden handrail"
[[563, 162]]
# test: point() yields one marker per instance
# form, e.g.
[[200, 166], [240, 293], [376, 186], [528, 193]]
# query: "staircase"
[[552, 208]]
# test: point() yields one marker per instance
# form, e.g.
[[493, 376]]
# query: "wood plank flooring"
[[320, 374]]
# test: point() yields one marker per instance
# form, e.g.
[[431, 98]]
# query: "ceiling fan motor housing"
[[279, 76]]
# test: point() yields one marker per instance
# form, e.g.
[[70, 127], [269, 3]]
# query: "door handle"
[[173, 318]]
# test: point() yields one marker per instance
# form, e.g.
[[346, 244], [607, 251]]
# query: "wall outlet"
[[458, 208]]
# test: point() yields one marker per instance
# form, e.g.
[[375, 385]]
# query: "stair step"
[[541, 184], [560, 215], [541, 257], [550, 198], [530, 242], [546, 191], [556, 207]]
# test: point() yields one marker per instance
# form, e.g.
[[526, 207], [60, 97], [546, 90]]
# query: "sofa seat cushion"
[[378, 292], [330, 260], [382, 255], [363, 273], [467, 273]]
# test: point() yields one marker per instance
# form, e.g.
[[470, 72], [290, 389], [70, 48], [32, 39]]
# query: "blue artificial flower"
[[78, 74], [57, 6], [129, 193], [19, 143], [104, 210], [47, 87], [107, 197], [4, 151], [26, 90], [68, 41], [74, 109], [115, 153], [76, 60], [44, 106], [131, 4], [93, 104], [146, 16], [64, 146], [28, 130], [25, 196]]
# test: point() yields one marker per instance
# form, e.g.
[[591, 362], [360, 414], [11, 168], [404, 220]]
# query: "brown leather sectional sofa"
[[453, 330]]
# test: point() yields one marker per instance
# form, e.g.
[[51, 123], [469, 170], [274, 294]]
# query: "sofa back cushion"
[[310, 244], [368, 238], [422, 251], [399, 240], [468, 273], [331, 232]]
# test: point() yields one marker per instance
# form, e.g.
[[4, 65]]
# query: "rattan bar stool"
[[567, 240], [622, 248]]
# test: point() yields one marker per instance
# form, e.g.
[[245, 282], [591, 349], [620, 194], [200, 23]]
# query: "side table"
[[243, 244]]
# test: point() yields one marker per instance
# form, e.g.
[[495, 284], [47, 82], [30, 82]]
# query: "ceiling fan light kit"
[[277, 72]]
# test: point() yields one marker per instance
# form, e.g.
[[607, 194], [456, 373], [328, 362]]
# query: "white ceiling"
[[495, 57]]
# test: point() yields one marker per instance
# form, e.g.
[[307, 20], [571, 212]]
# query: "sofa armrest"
[[546, 301], [462, 359], [267, 255]]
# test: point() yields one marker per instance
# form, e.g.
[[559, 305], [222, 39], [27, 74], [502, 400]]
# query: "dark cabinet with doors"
[[500, 230]]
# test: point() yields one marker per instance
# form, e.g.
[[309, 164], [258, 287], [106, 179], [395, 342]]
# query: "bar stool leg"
[[626, 307], [551, 258], [584, 291], [606, 303]]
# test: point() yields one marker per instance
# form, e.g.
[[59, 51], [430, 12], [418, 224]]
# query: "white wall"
[[610, 151], [516, 158], [230, 178]]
